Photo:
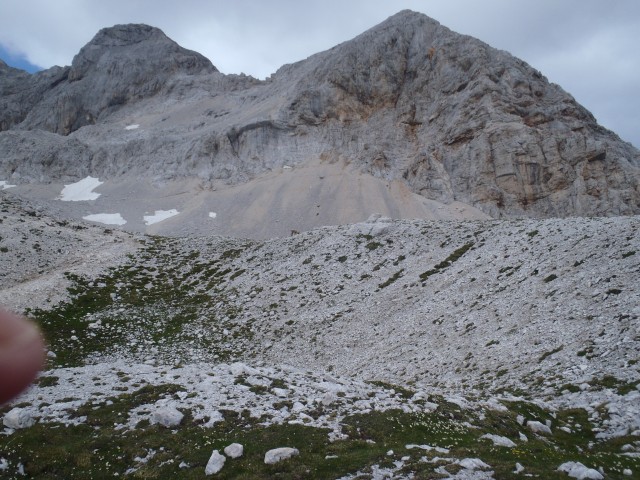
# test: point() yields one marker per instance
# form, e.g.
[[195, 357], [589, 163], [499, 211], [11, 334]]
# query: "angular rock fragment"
[[278, 454], [215, 463], [235, 450], [167, 417], [18, 418]]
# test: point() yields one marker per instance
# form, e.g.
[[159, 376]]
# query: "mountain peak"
[[127, 34], [409, 15], [112, 47], [444, 114]]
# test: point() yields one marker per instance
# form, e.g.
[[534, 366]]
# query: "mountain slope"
[[470, 328], [408, 100]]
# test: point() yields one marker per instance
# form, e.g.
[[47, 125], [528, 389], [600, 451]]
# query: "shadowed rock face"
[[409, 100], [119, 65]]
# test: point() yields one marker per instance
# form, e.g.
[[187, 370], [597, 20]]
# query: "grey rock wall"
[[409, 99]]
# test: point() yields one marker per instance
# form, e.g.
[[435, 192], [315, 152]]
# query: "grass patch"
[[391, 279], [373, 245], [97, 449], [136, 307], [454, 256], [549, 353], [609, 381]]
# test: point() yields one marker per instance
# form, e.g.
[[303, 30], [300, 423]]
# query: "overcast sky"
[[590, 47]]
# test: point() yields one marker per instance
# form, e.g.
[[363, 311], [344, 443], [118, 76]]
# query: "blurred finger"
[[21, 354]]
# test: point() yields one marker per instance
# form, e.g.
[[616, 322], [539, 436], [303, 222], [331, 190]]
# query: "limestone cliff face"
[[409, 99], [458, 119], [120, 65]]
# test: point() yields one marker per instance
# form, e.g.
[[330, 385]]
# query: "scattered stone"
[[428, 448], [278, 454], [627, 472], [167, 417], [215, 463], [579, 471], [329, 398], [235, 450], [519, 468], [473, 464], [537, 427], [18, 418], [498, 440], [298, 407], [280, 392]]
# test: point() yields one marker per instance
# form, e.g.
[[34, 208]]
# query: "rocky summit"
[[409, 256], [446, 116]]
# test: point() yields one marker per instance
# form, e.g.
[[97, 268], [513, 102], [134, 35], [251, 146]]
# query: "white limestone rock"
[[498, 440], [167, 416], [579, 471], [473, 464], [537, 427], [278, 454], [215, 463], [18, 418], [235, 450]]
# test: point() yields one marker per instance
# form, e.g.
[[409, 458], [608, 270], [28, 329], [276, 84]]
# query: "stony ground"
[[385, 349]]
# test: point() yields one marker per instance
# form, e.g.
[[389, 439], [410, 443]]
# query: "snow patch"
[[106, 218], [213, 214], [4, 184], [80, 191], [159, 216], [132, 127]]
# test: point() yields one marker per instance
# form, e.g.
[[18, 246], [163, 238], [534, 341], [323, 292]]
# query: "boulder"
[[537, 427], [498, 440], [167, 417], [215, 463], [235, 450], [278, 454], [18, 418], [579, 471], [473, 464]]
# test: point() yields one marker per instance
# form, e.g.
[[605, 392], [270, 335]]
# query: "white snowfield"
[[4, 184], [159, 216], [106, 218], [81, 191]]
